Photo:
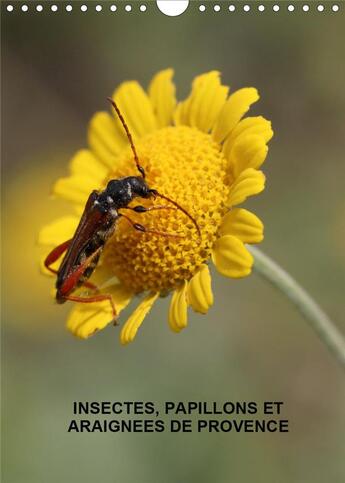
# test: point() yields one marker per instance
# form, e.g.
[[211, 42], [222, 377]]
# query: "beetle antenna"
[[130, 139], [155, 193]]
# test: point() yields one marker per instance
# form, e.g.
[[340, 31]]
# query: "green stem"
[[318, 320]]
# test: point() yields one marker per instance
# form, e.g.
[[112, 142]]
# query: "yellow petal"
[[249, 125], [250, 182], [178, 309], [85, 162], [248, 152], [204, 104], [200, 295], [231, 258], [136, 108], [76, 188], [87, 318], [105, 138], [132, 325], [58, 231], [233, 110], [181, 114], [243, 224], [162, 95]]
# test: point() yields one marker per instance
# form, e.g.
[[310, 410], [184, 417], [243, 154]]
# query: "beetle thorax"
[[120, 192]]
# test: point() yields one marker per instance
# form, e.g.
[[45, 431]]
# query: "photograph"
[[173, 263]]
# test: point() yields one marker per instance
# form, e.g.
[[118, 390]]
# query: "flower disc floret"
[[187, 166]]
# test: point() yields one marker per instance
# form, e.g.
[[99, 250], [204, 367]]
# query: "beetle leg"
[[144, 209], [73, 278], [55, 254], [143, 229], [94, 298], [90, 285]]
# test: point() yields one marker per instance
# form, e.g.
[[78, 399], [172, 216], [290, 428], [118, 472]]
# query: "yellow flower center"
[[187, 166]]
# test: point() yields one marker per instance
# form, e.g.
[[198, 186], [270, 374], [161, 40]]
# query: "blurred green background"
[[58, 69]]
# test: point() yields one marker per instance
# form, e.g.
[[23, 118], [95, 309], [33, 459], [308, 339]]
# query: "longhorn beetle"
[[97, 224]]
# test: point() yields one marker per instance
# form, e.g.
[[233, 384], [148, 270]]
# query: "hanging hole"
[[172, 8]]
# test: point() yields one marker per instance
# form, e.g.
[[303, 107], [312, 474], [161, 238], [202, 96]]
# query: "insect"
[[97, 224]]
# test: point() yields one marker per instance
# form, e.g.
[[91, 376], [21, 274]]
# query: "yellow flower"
[[200, 152]]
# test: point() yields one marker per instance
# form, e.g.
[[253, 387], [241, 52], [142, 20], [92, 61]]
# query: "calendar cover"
[[173, 263]]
